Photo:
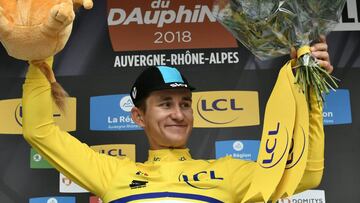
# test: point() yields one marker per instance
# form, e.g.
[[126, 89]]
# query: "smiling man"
[[162, 98]]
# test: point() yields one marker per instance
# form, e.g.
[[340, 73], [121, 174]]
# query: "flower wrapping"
[[269, 28]]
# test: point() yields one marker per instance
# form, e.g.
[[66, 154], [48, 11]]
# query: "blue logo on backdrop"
[[52, 200], [337, 109], [111, 113], [239, 149]]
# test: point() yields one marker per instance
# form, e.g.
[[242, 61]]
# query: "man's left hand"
[[320, 52]]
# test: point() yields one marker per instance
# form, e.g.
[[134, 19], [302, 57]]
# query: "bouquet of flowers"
[[269, 28]]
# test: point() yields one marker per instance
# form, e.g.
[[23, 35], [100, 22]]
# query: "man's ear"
[[137, 116]]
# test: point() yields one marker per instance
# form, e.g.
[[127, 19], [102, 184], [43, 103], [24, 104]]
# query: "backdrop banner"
[[112, 43]]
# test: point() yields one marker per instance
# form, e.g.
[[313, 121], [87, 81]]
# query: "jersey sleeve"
[[240, 174], [76, 160], [315, 164]]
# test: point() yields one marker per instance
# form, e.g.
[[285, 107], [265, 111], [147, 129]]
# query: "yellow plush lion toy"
[[34, 30]]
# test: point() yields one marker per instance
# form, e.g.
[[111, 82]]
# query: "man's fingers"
[[323, 59], [326, 65], [320, 52], [321, 55], [323, 39], [319, 47]]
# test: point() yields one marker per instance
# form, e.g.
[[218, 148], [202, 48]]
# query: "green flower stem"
[[309, 74]]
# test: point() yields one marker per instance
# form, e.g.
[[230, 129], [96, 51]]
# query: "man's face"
[[168, 118]]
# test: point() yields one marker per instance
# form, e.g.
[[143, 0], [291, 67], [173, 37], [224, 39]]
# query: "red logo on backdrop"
[[165, 24], [94, 199]]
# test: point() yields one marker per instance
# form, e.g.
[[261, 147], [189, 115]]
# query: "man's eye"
[[165, 104], [186, 105]]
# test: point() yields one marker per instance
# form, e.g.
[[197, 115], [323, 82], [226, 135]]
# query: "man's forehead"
[[168, 93]]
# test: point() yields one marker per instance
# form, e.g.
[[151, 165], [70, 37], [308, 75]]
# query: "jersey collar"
[[167, 155]]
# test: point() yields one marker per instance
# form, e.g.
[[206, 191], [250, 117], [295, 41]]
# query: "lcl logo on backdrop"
[[165, 24], [66, 199], [317, 196], [350, 18], [11, 114], [225, 109], [337, 108], [111, 113], [117, 150]]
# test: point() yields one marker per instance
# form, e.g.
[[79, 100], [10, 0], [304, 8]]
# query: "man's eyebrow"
[[168, 98], [187, 98], [165, 98]]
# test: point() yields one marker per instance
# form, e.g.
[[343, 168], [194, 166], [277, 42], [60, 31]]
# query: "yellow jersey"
[[169, 175]]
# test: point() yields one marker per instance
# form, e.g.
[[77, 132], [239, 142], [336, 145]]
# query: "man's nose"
[[177, 113]]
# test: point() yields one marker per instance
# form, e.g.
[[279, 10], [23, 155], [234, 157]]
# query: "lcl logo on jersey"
[[201, 180], [225, 109], [117, 150], [274, 147]]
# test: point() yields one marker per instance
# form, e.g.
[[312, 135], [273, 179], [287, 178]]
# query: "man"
[[162, 98]]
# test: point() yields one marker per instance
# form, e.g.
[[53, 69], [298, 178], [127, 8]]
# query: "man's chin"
[[178, 142], [173, 146]]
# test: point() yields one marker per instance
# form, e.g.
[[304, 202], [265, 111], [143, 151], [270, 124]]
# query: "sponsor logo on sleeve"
[[160, 25], [136, 184], [66, 199], [37, 161], [239, 149], [337, 108], [11, 114], [112, 113], [350, 18], [225, 109], [117, 150], [68, 186], [317, 196]]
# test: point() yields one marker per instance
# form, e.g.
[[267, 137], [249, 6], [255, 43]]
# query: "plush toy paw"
[[88, 4], [63, 13]]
